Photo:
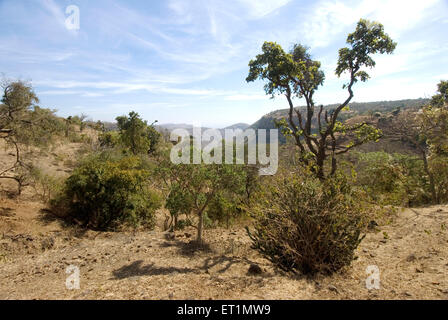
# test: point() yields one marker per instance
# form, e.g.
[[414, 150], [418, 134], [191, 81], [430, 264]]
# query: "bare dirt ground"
[[411, 253]]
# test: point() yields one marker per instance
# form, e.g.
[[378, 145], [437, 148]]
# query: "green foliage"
[[136, 134], [285, 70], [393, 179], [308, 225], [295, 74], [439, 165], [368, 39], [24, 124], [225, 208], [109, 139], [104, 194], [201, 189], [441, 98], [433, 129], [22, 121]]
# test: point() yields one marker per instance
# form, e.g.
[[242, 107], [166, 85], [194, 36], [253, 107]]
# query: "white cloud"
[[331, 18], [260, 8]]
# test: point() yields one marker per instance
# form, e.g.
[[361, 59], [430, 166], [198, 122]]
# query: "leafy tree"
[[295, 74], [22, 124], [136, 134], [194, 187], [441, 98], [427, 132], [79, 120]]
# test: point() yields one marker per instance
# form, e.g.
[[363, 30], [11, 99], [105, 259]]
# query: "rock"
[[255, 269], [411, 258], [333, 288], [418, 270], [170, 236], [372, 224], [408, 294]]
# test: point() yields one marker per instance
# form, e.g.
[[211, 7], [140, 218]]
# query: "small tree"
[[441, 98], [426, 131], [295, 74], [22, 123], [192, 188], [82, 121], [136, 134]]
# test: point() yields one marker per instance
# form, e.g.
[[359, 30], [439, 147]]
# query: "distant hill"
[[172, 126], [356, 109], [242, 126]]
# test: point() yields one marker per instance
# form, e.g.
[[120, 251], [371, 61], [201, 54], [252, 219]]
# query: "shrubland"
[[309, 218]]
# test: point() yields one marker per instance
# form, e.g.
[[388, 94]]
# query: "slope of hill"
[[356, 109]]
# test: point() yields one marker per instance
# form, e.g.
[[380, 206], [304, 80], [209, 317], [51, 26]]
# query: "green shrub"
[[109, 139], [104, 194], [224, 209], [393, 179], [307, 225], [439, 166]]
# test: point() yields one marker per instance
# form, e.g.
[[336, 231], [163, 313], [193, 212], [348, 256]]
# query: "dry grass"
[[155, 265], [35, 249]]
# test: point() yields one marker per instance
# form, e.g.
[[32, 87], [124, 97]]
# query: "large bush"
[[309, 226], [104, 194], [396, 179]]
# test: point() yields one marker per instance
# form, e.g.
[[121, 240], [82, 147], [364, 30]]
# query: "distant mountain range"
[[268, 121], [172, 126]]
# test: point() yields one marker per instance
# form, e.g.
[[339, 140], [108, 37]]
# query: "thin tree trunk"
[[200, 227]]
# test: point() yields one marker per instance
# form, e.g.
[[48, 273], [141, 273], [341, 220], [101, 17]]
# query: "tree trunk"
[[320, 160], [200, 227]]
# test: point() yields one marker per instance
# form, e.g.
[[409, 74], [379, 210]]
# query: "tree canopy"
[[296, 74]]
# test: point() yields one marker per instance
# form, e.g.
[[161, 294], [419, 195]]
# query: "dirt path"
[[411, 254]]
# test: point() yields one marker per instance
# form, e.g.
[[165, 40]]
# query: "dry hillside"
[[411, 252]]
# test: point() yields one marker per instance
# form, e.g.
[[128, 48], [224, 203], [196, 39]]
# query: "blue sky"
[[183, 61]]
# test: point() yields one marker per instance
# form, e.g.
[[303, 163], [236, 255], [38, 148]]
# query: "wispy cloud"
[[191, 57], [331, 18]]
